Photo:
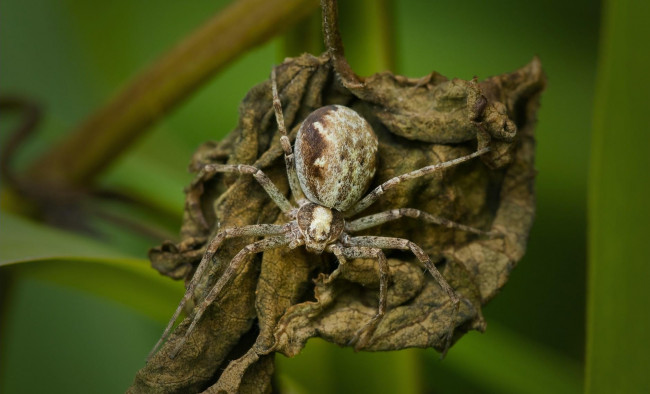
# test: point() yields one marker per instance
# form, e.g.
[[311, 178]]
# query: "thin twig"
[[334, 45]]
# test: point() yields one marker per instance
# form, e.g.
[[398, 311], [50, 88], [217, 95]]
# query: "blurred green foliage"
[[72, 55], [619, 186]]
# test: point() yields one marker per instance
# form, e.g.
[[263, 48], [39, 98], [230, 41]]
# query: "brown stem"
[[113, 128], [334, 45]]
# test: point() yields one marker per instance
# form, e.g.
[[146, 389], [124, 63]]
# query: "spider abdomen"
[[336, 153]]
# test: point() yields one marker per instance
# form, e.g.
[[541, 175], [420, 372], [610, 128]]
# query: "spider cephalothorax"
[[334, 163], [319, 226]]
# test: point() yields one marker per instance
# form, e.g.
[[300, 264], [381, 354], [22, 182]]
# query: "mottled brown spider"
[[333, 165]]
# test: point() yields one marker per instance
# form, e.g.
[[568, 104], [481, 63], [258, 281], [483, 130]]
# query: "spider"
[[333, 165]]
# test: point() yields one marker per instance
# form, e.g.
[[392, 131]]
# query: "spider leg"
[[210, 169], [337, 250], [289, 158], [363, 335], [253, 230], [371, 197], [230, 271], [383, 217], [405, 244]]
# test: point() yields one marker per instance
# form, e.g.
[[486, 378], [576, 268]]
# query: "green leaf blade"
[[36, 251], [618, 322]]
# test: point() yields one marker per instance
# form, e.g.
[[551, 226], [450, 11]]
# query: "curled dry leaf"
[[284, 297]]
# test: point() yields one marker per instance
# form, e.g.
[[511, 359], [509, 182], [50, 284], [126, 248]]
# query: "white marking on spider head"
[[321, 221], [319, 226]]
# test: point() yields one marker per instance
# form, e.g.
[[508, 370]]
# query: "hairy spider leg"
[[371, 197], [405, 244], [209, 170], [363, 335], [383, 217], [337, 250], [394, 214], [252, 230], [289, 158], [230, 271]]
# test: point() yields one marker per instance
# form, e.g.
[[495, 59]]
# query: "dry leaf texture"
[[283, 297]]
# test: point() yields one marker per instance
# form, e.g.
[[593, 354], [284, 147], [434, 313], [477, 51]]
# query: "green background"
[[80, 314]]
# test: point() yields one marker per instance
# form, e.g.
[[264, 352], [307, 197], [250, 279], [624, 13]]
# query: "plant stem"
[[334, 44]]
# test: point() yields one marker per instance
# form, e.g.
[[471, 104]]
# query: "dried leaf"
[[284, 297]]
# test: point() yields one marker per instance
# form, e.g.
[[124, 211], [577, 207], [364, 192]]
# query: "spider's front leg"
[[252, 230], [209, 170], [405, 244], [289, 157]]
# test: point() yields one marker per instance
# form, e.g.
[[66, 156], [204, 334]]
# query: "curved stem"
[[334, 45]]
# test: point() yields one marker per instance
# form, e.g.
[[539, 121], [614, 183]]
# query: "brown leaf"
[[284, 297]]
